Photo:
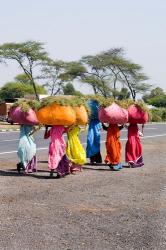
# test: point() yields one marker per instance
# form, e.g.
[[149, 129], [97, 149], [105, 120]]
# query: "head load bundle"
[[62, 110], [24, 112]]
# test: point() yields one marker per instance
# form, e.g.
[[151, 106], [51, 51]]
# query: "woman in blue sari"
[[27, 150], [93, 141]]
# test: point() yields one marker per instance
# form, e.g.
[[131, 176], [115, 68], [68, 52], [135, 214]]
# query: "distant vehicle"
[[4, 110]]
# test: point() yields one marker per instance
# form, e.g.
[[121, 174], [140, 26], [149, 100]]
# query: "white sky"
[[73, 28]]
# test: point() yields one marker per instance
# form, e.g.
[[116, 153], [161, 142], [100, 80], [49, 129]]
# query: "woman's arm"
[[143, 125], [141, 133], [46, 133], [67, 129], [83, 128], [121, 127], [35, 129], [126, 126], [104, 127]]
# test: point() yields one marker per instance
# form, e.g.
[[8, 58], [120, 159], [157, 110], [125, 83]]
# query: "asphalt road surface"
[[9, 140], [98, 209]]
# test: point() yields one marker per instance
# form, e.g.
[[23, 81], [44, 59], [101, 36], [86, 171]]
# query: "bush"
[[158, 114], [158, 101], [164, 115]]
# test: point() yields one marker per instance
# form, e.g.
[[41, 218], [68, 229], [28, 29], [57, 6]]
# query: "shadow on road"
[[93, 167], [96, 169], [42, 161], [14, 173]]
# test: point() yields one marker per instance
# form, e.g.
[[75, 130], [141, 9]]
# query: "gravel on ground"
[[96, 209]]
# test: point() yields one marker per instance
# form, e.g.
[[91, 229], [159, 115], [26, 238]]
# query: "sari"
[[93, 141], [57, 158], [75, 150], [27, 150], [113, 147], [133, 150]]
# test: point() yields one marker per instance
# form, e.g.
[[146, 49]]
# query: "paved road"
[[97, 209], [9, 140]]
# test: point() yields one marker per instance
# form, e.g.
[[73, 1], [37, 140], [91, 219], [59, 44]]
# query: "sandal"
[[51, 173]]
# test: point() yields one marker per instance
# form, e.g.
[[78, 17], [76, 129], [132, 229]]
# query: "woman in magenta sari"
[[133, 151], [57, 159]]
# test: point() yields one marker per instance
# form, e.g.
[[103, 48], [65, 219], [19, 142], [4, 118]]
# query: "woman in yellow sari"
[[75, 151]]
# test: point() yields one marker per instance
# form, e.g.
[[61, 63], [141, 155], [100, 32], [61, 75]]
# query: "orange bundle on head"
[[56, 114], [81, 115]]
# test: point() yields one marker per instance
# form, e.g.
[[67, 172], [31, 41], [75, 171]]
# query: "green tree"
[[96, 75], [22, 78], [18, 90], [53, 72], [69, 89], [29, 56], [122, 94], [124, 71], [155, 93], [158, 101], [89, 70], [107, 71]]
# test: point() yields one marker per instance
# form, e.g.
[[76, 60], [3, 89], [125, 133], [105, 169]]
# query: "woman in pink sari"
[[57, 159], [133, 150]]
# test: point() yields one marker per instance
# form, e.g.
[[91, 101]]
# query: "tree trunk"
[[35, 90]]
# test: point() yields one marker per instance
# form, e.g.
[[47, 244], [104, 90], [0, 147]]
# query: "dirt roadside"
[[97, 209], [7, 126]]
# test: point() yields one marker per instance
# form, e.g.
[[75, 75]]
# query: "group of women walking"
[[133, 148], [68, 157]]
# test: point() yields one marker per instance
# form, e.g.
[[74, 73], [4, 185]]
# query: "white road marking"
[[149, 128], [10, 152], [147, 124], [152, 136], [124, 130], [8, 132], [103, 132], [84, 143], [9, 140]]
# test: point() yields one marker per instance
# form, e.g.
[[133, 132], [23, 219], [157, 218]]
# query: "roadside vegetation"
[[109, 74]]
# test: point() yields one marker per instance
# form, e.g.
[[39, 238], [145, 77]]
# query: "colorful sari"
[[113, 147], [27, 150], [57, 158], [93, 141], [133, 151], [75, 150]]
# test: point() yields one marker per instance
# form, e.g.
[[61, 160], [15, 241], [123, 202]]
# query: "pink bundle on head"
[[137, 115], [113, 114], [27, 118]]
